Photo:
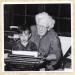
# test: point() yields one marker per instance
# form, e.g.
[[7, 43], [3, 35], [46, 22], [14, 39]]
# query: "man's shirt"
[[48, 44]]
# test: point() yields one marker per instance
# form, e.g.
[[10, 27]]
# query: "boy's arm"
[[33, 47]]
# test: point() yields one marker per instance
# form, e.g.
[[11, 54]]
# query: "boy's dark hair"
[[24, 28]]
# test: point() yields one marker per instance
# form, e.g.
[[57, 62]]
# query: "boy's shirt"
[[31, 46]]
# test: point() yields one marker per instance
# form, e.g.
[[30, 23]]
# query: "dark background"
[[18, 14]]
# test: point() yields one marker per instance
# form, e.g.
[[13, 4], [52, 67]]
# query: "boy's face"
[[24, 36]]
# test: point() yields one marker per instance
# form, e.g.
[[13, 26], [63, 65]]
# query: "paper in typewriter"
[[29, 53]]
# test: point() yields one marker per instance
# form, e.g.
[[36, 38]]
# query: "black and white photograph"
[[37, 37]]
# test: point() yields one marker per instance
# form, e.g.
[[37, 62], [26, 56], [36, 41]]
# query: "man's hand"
[[51, 57]]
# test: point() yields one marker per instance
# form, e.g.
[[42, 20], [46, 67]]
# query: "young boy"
[[24, 44]]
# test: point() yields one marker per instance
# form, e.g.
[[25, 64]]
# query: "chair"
[[66, 49]]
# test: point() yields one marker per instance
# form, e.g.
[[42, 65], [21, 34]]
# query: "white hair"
[[46, 16]]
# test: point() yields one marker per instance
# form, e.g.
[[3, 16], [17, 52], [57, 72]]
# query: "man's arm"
[[55, 51]]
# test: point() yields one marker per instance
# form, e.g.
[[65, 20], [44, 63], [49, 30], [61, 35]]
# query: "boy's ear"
[[30, 35]]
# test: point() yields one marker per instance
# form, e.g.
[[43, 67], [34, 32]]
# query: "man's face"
[[42, 27], [24, 36]]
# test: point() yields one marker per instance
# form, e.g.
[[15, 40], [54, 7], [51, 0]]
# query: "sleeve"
[[33, 31], [33, 47], [15, 47], [55, 48]]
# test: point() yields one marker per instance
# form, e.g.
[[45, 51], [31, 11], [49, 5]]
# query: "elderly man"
[[47, 40]]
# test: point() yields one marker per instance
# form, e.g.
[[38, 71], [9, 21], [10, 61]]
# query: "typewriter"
[[23, 62]]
